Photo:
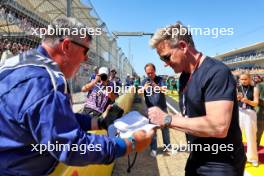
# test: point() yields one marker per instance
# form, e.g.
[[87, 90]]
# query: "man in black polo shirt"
[[209, 110]]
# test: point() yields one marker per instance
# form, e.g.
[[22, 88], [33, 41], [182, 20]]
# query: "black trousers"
[[218, 168], [91, 112]]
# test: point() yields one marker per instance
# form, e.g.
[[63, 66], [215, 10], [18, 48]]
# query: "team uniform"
[[35, 109]]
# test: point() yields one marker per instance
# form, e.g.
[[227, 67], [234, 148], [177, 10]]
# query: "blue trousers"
[[165, 136]]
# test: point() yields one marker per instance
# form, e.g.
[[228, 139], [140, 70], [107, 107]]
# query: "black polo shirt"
[[212, 81]]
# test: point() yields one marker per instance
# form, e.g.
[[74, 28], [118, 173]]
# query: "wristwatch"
[[167, 120], [133, 142]]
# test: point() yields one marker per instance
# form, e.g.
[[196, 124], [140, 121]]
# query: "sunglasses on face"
[[86, 49], [165, 58]]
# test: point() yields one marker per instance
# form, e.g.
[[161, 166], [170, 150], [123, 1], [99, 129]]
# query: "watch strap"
[[167, 120]]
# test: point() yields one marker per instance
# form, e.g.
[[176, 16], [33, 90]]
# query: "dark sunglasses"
[[165, 58], [86, 49]]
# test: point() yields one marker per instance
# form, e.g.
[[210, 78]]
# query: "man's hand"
[[97, 78], [107, 110], [112, 113], [91, 84], [244, 100], [239, 96], [142, 140], [146, 85], [156, 116]]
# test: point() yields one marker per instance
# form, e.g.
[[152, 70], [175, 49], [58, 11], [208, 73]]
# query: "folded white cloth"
[[128, 124]]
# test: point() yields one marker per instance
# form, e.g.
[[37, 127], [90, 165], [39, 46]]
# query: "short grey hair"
[[173, 33], [63, 24]]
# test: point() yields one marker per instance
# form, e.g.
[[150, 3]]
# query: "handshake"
[[138, 141]]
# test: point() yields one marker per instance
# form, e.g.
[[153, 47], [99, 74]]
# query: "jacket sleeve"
[[52, 122]]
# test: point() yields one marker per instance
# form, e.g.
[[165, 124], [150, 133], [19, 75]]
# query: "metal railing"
[[104, 49]]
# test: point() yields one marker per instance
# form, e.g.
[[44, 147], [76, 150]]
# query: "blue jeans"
[[165, 137]]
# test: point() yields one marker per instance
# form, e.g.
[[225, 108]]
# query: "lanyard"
[[130, 165], [185, 87], [244, 93]]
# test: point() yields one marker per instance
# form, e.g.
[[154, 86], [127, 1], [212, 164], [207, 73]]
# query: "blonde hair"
[[173, 33], [246, 74]]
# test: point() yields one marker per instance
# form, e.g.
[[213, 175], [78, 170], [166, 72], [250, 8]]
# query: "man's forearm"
[[89, 86], [199, 126], [252, 103]]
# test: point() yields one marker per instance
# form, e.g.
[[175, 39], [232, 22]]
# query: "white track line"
[[172, 108]]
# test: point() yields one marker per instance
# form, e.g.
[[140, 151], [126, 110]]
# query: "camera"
[[148, 80], [103, 77]]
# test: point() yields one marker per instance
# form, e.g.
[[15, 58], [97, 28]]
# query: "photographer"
[[153, 90], [115, 80], [100, 93]]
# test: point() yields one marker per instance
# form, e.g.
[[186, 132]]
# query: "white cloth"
[[128, 124], [248, 122]]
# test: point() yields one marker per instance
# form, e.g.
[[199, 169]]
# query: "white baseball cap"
[[103, 70]]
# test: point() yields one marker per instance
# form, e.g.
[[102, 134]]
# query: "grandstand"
[[17, 17], [247, 58]]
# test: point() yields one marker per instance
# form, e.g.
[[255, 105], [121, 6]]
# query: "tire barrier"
[[125, 102]]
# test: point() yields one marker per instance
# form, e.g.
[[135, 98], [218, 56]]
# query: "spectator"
[[137, 82], [172, 84], [95, 72], [260, 110], [116, 81], [2, 13], [6, 54], [128, 80], [153, 89], [248, 97], [100, 94]]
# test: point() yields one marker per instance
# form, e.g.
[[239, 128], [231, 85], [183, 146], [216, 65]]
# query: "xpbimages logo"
[[58, 147], [59, 31], [212, 148], [132, 89], [213, 32]]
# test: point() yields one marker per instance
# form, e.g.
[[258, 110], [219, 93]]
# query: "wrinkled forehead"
[[150, 69], [244, 77]]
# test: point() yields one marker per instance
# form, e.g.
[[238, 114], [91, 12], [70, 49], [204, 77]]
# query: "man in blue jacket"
[[36, 117]]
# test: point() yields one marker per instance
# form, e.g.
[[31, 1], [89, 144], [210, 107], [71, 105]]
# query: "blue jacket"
[[35, 109]]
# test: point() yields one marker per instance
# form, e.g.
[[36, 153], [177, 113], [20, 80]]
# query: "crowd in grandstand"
[[9, 47], [21, 20], [14, 47], [252, 71]]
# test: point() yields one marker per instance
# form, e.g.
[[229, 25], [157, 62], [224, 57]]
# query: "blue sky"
[[245, 17]]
